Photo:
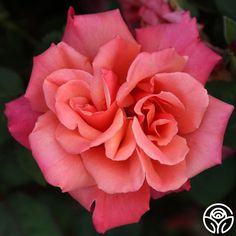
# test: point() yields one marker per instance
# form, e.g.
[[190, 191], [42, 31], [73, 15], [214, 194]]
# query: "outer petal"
[[56, 57], [206, 143], [21, 119], [147, 65], [59, 168], [113, 176], [184, 37], [116, 55], [199, 53], [190, 92], [87, 33], [156, 195], [113, 210], [163, 178]]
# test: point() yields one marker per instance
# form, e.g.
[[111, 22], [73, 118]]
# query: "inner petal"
[[163, 129]]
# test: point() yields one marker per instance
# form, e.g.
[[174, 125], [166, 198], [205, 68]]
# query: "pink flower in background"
[[114, 120], [150, 12]]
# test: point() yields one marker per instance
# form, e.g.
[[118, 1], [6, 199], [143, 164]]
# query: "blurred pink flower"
[[149, 12]]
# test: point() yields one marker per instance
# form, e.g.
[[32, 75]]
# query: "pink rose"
[[150, 12], [113, 120]]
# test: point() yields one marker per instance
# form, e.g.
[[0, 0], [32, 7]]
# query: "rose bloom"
[[150, 12], [114, 121]]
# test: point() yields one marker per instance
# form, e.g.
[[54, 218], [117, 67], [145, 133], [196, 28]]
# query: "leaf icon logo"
[[226, 224], [218, 218]]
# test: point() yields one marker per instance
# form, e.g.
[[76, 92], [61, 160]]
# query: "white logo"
[[218, 218]]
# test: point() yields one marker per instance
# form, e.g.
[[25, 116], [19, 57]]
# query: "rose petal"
[[161, 177], [21, 119], [58, 78], [113, 176], [122, 144], [71, 141], [170, 154], [87, 33], [186, 43], [198, 53], [75, 142], [65, 113], [60, 168], [148, 64], [166, 100], [190, 92], [116, 55], [113, 210], [56, 57], [156, 195], [100, 120], [110, 86], [206, 143]]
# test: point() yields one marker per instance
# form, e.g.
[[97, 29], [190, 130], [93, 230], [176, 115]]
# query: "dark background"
[[30, 207]]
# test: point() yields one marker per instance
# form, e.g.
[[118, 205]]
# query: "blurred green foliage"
[[28, 206]]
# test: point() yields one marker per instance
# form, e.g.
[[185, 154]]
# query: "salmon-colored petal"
[[116, 125], [175, 150], [100, 120], [170, 154], [113, 176], [156, 195], [163, 129], [167, 101], [110, 86], [21, 119], [116, 55], [70, 140], [190, 92], [60, 168], [58, 78], [78, 141], [113, 210], [148, 64], [186, 43], [122, 144], [97, 92], [206, 143], [65, 112], [87, 33], [161, 177], [56, 57]]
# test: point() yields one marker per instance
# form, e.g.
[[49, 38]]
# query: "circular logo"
[[218, 218]]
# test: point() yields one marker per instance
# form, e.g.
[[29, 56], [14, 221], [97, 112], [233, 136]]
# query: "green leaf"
[[214, 184], [229, 30], [10, 85], [29, 165], [32, 218]]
